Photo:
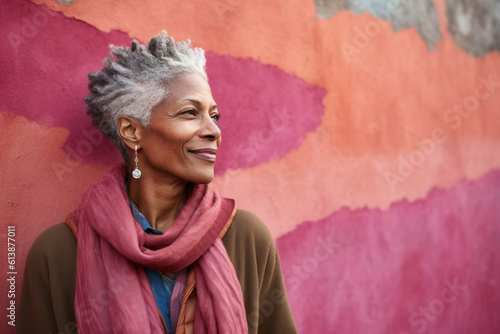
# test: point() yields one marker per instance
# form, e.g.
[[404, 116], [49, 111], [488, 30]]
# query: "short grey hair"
[[134, 80]]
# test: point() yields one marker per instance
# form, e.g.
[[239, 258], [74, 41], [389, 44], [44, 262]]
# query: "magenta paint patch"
[[431, 266], [265, 112], [47, 57], [45, 61]]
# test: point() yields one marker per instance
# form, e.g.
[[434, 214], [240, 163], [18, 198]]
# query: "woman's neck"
[[159, 202]]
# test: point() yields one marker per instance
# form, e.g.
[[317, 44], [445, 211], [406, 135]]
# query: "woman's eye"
[[216, 117], [190, 112]]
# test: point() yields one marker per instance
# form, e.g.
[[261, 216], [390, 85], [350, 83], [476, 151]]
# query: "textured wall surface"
[[402, 14], [473, 24], [364, 133]]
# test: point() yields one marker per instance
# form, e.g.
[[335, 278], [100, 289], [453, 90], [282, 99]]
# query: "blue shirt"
[[162, 285]]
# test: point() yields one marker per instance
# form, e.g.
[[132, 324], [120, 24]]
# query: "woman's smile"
[[205, 153]]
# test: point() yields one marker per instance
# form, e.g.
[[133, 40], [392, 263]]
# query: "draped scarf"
[[113, 294]]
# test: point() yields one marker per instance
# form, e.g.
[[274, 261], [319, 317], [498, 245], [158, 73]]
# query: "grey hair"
[[134, 80]]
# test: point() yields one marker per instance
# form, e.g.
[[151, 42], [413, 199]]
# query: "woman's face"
[[183, 137]]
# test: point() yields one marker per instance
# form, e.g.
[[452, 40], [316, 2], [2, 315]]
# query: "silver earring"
[[136, 173]]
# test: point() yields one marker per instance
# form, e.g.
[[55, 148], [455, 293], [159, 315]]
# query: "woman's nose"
[[209, 128]]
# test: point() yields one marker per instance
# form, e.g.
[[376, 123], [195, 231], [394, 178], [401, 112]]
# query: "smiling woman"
[[159, 252]]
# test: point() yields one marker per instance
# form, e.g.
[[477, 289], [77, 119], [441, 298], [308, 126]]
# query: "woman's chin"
[[202, 178]]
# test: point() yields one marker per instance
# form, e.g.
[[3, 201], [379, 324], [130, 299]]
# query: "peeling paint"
[[474, 25], [421, 15]]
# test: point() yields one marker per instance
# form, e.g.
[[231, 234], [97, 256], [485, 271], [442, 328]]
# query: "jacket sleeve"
[[275, 315], [252, 249], [48, 291]]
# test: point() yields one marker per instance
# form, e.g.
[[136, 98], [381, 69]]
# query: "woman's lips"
[[206, 154]]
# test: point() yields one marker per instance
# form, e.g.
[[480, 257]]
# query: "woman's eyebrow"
[[199, 104]]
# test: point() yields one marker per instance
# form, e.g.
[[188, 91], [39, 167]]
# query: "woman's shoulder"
[[59, 232], [247, 228], [251, 223], [49, 279], [56, 241]]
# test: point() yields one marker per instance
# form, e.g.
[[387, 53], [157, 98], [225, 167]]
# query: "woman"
[[152, 248]]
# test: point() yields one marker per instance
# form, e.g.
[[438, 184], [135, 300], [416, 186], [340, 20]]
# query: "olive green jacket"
[[48, 293]]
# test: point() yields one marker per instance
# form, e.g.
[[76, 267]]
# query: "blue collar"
[[146, 226]]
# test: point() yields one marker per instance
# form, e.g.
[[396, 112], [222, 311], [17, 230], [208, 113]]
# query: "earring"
[[136, 173]]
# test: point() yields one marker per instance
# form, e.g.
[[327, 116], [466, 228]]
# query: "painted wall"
[[364, 133]]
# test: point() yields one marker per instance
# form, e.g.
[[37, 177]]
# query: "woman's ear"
[[131, 131]]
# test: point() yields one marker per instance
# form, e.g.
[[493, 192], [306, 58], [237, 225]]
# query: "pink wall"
[[376, 169]]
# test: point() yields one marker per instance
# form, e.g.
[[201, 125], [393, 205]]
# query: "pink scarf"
[[113, 294]]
